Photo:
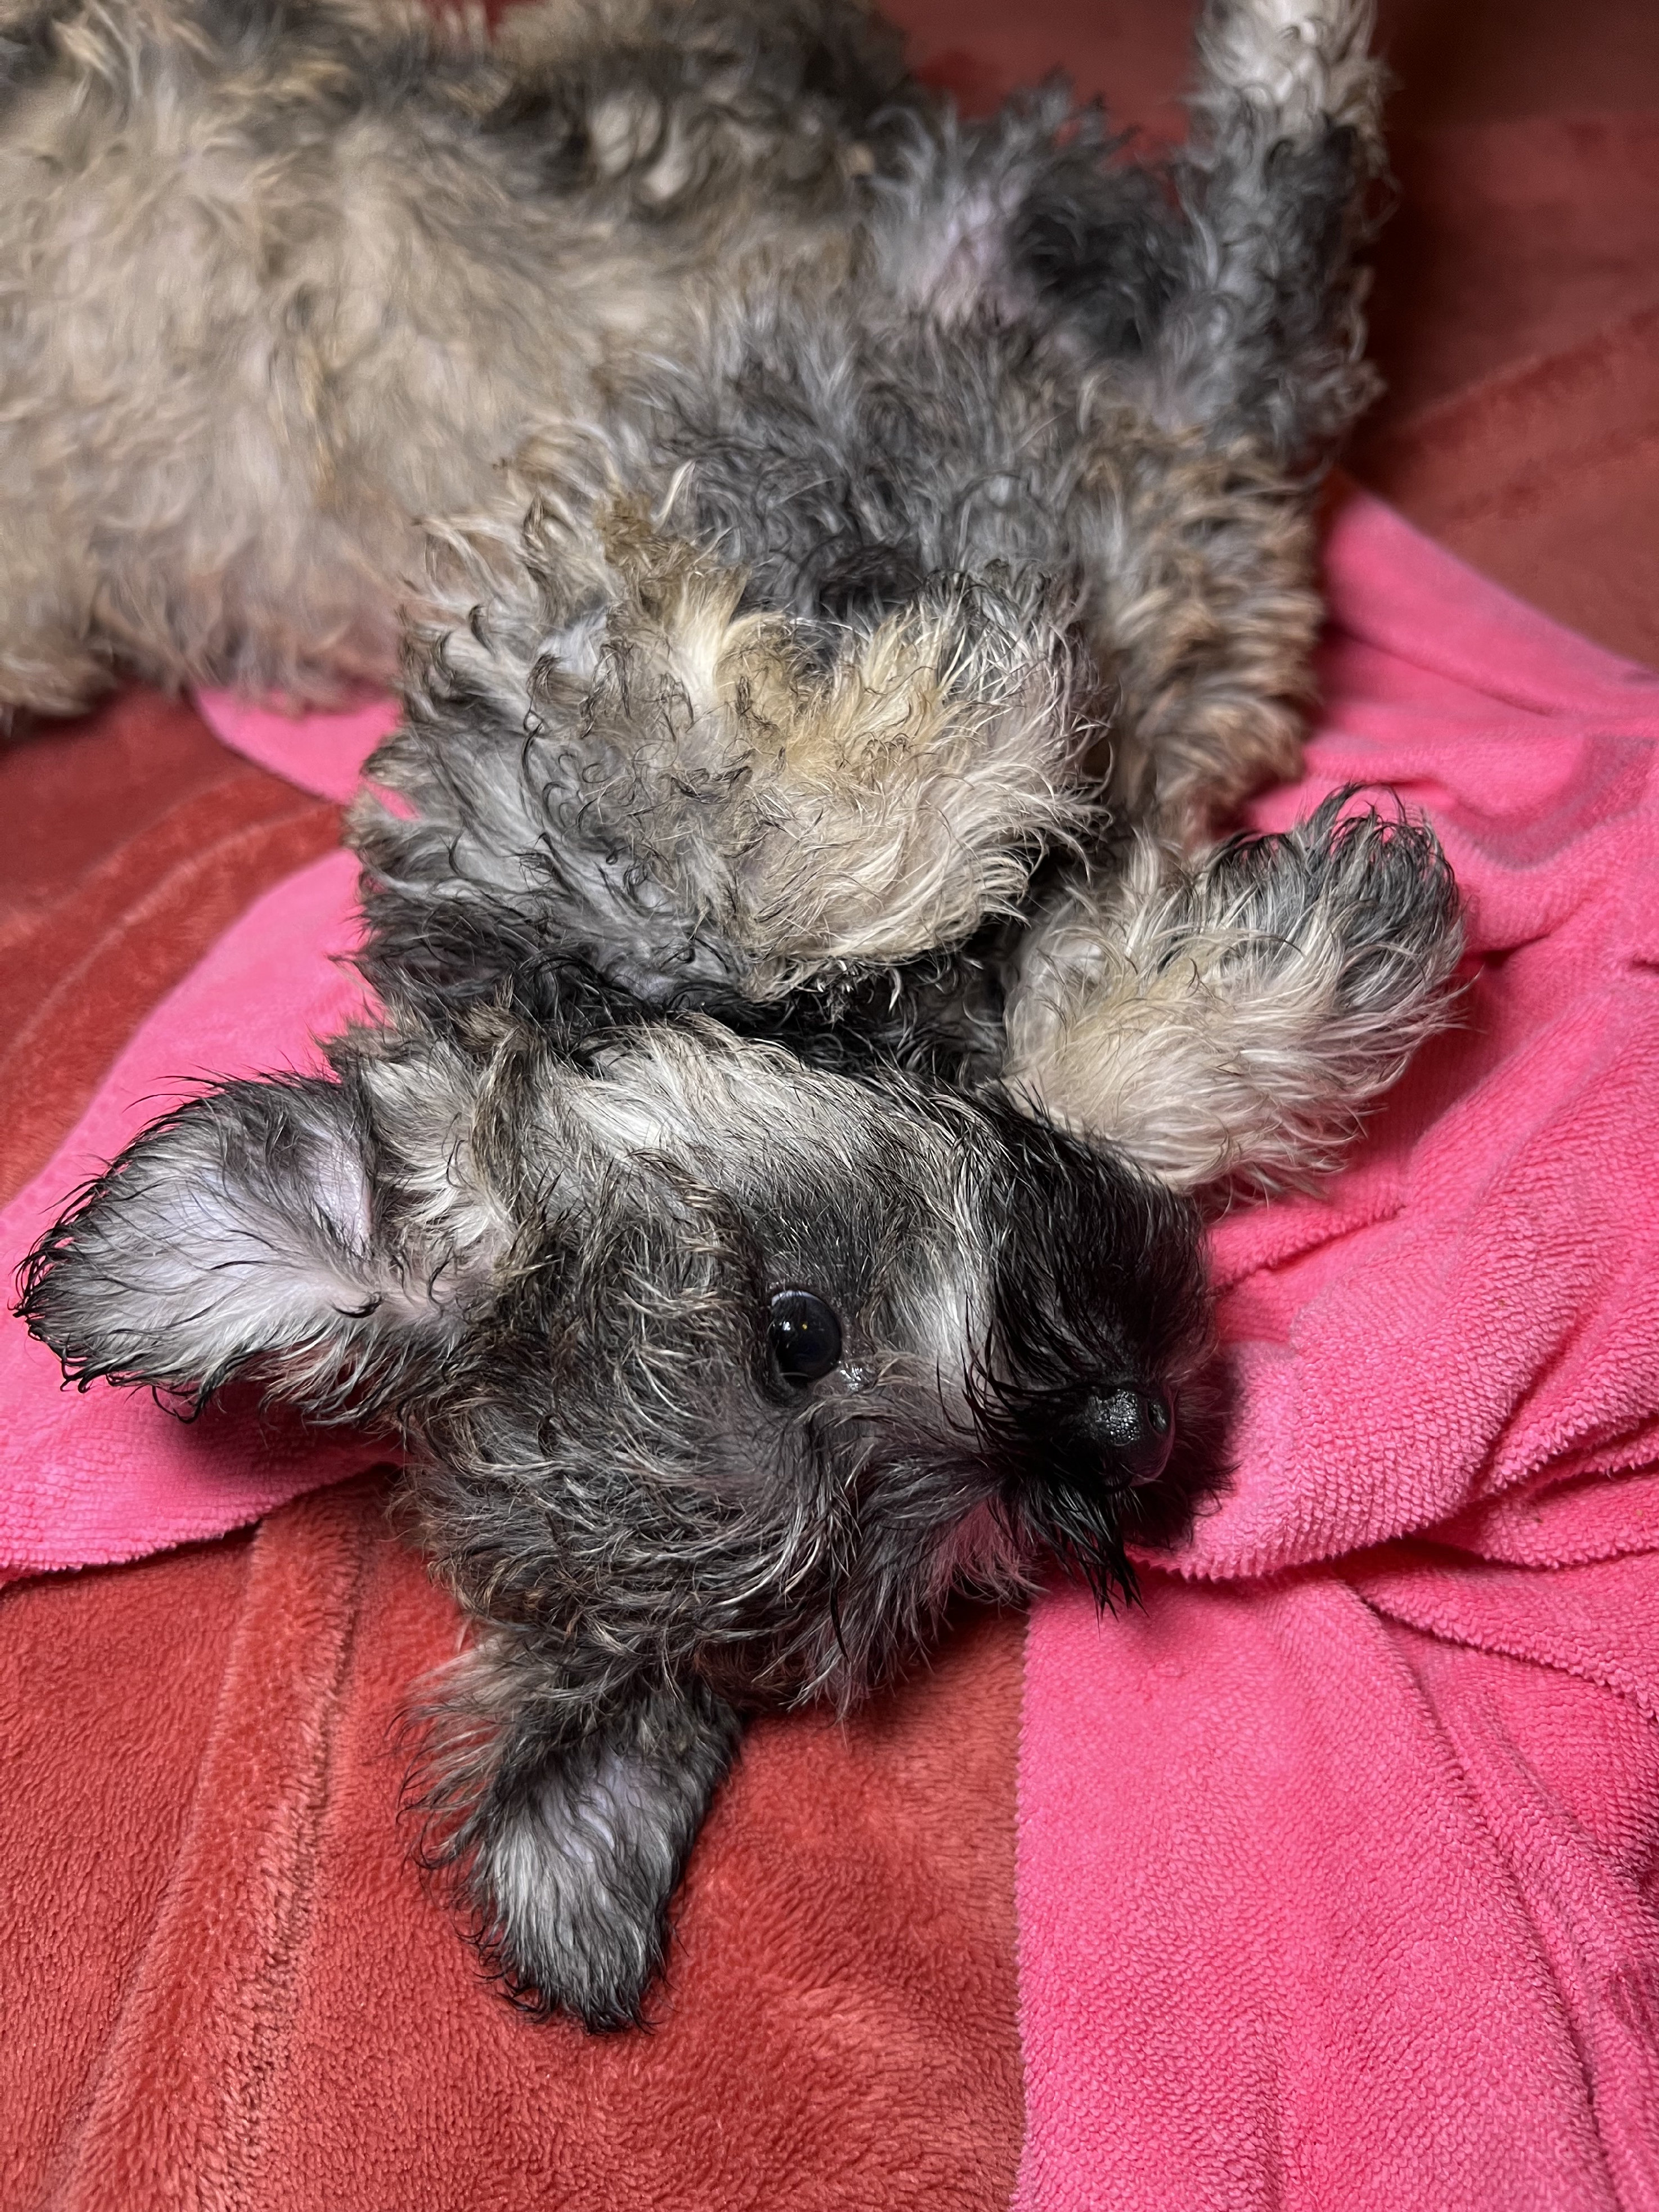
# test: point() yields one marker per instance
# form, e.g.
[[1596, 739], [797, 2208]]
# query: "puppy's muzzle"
[[1131, 1431]]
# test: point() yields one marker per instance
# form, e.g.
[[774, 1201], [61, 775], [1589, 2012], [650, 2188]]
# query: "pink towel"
[[324, 753], [108, 1474], [1339, 1862]]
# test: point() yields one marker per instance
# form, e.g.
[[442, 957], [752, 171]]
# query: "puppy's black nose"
[[1133, 1430]]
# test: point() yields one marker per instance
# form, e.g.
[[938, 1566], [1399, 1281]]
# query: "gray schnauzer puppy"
[[868, 551], [284, 279], [718, 1367]]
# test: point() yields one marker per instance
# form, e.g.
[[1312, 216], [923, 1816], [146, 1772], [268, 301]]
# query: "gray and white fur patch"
[[1230, 1021]]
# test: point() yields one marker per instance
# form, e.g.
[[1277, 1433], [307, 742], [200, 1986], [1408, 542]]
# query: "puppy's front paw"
[[1230, 1022]]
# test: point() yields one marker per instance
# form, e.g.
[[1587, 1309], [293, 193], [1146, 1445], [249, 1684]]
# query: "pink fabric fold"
[[324, 753], [104, 1474], [1339, 1862]]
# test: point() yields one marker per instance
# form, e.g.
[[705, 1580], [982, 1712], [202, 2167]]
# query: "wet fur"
[[825, 666]]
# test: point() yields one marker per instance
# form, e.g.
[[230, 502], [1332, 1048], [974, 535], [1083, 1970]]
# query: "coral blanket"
[[1334, 1875]]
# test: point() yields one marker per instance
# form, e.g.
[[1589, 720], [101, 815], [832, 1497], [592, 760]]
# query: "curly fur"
[[672, 785], [1232, 1021], [861, 556], [551, 1274], [277, 281]]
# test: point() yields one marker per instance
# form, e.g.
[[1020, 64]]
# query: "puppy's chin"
[[1073, 1519]]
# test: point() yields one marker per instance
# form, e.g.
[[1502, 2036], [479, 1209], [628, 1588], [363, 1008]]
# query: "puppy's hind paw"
[[1306, 61]]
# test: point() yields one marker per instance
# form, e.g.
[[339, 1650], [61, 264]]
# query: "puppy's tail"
[[1265, 335]]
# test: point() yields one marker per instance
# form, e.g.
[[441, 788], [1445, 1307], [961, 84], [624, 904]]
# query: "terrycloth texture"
[[105, 1474], [863, 2053], [1508, 1200], [1332, 1892]]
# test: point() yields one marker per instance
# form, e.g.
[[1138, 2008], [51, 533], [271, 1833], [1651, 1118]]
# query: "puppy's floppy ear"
[[237, 1232], [565, 1828], [1230, 1021]]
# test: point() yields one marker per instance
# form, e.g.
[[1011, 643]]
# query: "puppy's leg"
[[1203, 615], [569, 1831], [1230, 1022], [1201, 544]]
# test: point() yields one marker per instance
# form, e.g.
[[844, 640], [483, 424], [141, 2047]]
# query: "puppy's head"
[[709, 1362]]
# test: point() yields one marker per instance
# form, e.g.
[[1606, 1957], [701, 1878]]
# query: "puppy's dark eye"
[[804, 1335]]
